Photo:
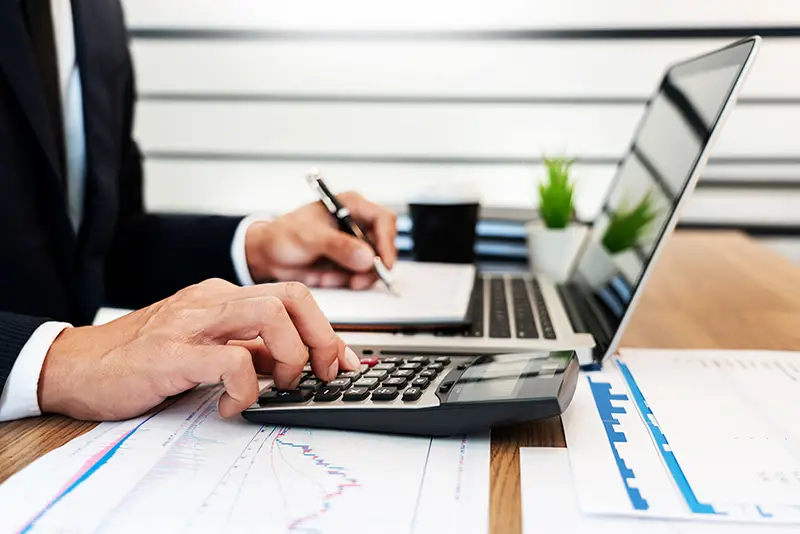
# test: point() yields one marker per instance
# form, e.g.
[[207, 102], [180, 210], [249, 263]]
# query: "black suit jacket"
[[122, 255]]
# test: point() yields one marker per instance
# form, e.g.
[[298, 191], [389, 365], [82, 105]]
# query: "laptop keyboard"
[[500, 312]]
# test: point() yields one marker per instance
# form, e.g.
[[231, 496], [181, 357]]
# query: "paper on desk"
[[427, 293], [700, 435], [550, 504], [185, 469]]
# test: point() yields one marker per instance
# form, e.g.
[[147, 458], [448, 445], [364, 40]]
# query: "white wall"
[[239, 98]]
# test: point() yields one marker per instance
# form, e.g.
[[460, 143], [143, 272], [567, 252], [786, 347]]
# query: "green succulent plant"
[[555, 196], [627, 226]]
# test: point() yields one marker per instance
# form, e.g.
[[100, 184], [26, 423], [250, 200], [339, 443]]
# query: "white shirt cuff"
[[20, 396], [238, 251]]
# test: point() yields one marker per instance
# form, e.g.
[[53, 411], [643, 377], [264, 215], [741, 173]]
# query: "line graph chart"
[[185, 469], [343, 480]]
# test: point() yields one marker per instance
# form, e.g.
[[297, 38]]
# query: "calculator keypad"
[[379, 380]]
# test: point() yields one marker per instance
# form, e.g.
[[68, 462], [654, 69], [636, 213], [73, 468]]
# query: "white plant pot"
[[552, 251], [598, 267]]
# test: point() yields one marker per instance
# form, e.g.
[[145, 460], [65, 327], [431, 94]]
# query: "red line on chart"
[[332, 470]]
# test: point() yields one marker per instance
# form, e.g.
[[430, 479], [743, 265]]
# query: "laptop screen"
[[652, 178]]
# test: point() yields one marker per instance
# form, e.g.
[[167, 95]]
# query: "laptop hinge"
[[586, 316]]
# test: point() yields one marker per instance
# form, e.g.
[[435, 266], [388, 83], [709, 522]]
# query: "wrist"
[[52, 391], [256, 243]]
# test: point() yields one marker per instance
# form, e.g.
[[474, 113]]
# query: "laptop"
[[589, 311]]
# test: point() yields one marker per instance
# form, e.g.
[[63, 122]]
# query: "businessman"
[[74, 235]]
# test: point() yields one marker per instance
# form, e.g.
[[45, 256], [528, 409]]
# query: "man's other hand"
[[306, 245], [205, 334]]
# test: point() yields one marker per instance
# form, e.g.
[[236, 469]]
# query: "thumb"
[[346, 250]]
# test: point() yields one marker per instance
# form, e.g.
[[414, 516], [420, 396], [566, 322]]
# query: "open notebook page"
[[427, 294]]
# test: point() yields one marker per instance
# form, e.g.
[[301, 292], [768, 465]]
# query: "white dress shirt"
[[19, 397]]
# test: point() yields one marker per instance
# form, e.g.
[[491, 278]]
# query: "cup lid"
[[447, 193]]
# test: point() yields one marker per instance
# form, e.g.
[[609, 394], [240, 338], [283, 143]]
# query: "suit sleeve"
[[155, 255], [15, 331]]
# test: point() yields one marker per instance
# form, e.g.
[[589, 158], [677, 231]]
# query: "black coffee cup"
[[443, 229]]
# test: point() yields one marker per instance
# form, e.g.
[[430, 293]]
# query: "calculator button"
[[420, 382], [379, 374], [462, 366], [412, 394], [284, 397], [445, 387], [393, 359], [367, 382], [384, 394], [352, 375], [355, 394], [312, 384], [444, 360], [419, 359], [403, 373], [385, 367], [436, 367], [428, 373], [328, 394], [411, 366], [369, 361], [395, 381], [340, 383], [307, 369], [364, 368]]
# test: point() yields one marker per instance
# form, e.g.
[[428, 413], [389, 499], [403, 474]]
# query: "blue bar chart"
[[642, 442]]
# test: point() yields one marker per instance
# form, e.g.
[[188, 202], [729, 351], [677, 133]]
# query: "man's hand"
[[306, 245], [208, 333]]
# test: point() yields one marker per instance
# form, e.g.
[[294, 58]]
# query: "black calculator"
[[430, 395]]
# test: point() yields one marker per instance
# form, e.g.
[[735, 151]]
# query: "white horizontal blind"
[[457, 14], [239, 98]]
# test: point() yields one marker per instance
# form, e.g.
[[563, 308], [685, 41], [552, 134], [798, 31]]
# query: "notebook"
[[427, 295]]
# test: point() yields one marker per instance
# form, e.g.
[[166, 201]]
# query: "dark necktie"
[[40, 28]]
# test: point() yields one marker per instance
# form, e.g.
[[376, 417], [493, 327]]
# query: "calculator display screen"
[[492, 380]]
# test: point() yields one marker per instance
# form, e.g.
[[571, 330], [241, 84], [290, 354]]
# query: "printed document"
[[185, 469], [710, 436]]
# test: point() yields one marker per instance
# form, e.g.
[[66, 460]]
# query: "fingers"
[[263, 316], [262, 358], [345, 249], [381, 222], [231, 365], [288, 319]]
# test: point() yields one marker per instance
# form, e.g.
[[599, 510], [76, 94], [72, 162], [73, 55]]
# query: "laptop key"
[[476, 303], [523, 311], [499, 326], [541, 309]]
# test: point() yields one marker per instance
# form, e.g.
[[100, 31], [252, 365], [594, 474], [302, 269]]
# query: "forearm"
[[154, 256]]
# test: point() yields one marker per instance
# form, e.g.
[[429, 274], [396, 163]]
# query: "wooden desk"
[[710, 290]]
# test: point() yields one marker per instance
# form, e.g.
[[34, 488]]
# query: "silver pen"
[[346, 223]]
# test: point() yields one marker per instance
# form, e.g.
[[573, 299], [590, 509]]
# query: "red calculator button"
[[369, 361]]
